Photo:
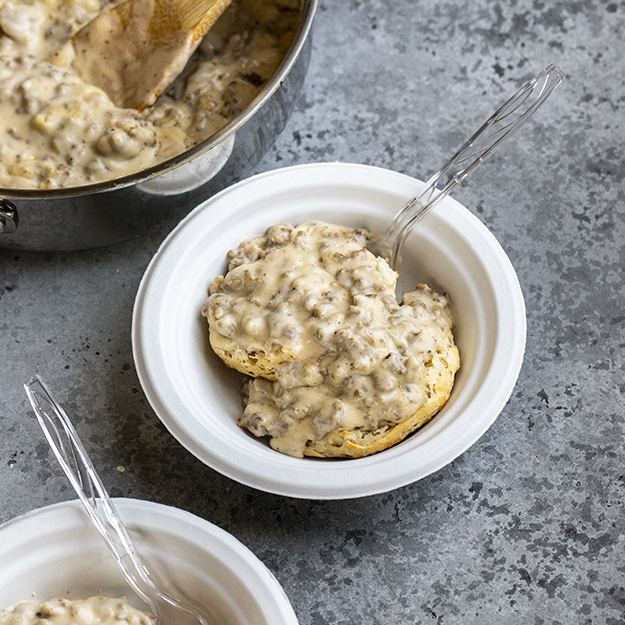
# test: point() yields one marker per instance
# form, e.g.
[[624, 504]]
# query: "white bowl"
[[54, 552], [198, 398]]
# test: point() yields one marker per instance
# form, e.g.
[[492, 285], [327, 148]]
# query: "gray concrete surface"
[[528, 525]]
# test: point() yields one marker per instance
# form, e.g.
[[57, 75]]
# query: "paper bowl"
[[198, 398], [54, 552]]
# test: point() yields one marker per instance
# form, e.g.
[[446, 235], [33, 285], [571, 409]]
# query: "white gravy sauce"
[[91, 611], [58, 131], [316, 300]]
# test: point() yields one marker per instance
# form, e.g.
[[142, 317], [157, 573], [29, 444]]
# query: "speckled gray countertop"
[[528, 526]]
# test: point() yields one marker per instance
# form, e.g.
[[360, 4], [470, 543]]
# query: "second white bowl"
[[198, 398], [55, 552]]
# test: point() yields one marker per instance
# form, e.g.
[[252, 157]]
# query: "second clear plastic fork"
[[80, 472], [491, 134]]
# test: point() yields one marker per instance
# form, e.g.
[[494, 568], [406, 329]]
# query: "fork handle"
[[491, 134], [80, 472]]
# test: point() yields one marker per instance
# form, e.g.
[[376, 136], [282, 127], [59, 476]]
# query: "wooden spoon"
[[135, 49]]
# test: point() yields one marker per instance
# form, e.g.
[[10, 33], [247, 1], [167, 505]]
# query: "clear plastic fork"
[[506, 120], [80, 472]]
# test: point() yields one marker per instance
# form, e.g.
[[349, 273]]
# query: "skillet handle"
[[9, 220]]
